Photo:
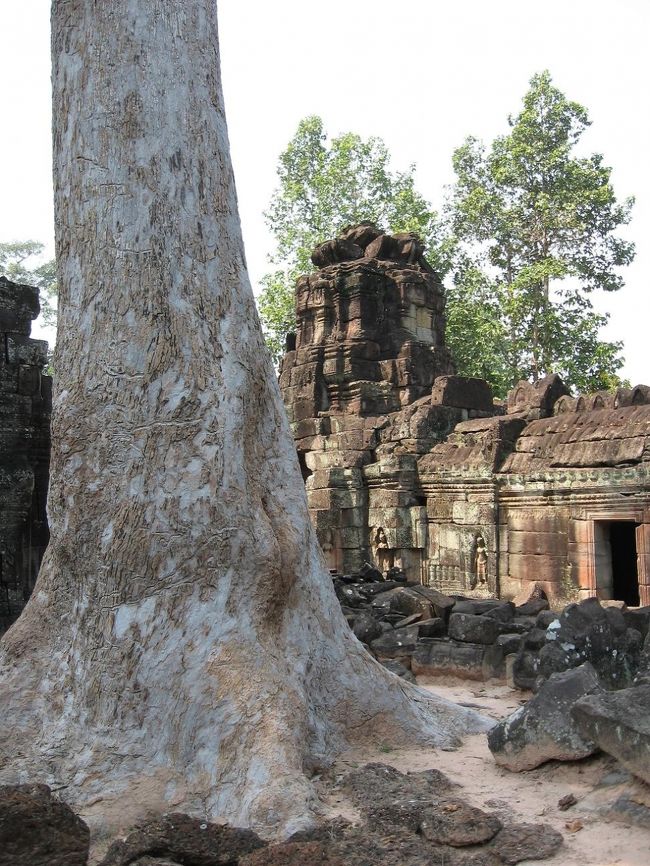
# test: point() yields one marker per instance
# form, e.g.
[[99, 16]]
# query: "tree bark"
[[183, 647]]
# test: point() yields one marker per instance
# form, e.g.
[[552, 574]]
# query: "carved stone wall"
[[25, 404], [409, 465]]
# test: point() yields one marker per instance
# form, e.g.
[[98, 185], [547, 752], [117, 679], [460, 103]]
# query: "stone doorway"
[[616, 555]]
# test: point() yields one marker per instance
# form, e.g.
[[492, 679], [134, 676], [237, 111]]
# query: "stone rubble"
[[405, 820]]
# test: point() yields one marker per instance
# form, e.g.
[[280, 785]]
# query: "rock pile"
[[592, 675], [418, 630], [405, 820]]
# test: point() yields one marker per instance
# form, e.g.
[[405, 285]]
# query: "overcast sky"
[[422, 75]]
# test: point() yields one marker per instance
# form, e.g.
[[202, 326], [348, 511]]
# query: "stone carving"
[[480, 563], [384, 556]]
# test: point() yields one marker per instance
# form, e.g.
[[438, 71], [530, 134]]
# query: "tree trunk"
[[183, 647]]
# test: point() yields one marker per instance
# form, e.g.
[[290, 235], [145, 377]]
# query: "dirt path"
[[530, 797]]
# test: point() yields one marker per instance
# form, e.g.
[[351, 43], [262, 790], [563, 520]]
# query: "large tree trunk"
[[183, 646]]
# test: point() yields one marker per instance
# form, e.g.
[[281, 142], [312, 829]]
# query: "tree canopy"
[[535, 232], [325, 185]]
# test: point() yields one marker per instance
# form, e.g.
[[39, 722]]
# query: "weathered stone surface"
[[463, 393], [537, 399], [589, 632], [376, 783], [619, 723], [459, 825], [451, 658], [469, 628], [25, 405], [38, 830], [332, 252], [366, 628], [293, 854], [185, 840], [399, 643], [518, 842], [434, 627], [544, 728]]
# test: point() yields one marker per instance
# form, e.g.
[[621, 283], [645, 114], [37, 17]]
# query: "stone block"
[[465, 514], [20, 349], [544, 728], [336, 498], [315, 460], [439, 657], [353, 517], [619, 722], [399, 643], [389, 517], [475, 629], [462, 392], [527, 567], [351, 537]]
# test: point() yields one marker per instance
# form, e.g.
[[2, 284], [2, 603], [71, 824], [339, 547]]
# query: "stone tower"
[[369, 386]]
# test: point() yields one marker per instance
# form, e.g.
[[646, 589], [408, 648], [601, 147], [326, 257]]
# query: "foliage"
[[324, 186], [534, 227], [14, 258]]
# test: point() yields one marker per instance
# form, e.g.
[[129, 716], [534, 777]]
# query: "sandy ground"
[[591, 837]]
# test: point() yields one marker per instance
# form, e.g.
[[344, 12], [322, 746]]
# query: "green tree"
[[535, 231], [15, 261], [324, 186]]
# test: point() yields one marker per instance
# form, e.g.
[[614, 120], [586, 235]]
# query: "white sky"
[[422, 75]]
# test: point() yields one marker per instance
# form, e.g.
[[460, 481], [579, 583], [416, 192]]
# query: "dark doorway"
[[625, 576]]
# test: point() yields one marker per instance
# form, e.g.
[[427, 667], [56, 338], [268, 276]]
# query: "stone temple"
[[408, 465]]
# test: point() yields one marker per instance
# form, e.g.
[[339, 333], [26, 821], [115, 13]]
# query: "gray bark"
[[183, 648]]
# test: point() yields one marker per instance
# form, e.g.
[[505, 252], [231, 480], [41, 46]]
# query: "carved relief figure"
[[384, 555], [479, 569], [327, 546]]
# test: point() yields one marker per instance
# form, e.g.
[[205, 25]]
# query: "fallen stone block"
[[502, 613], [518, 842], [38, 830], [434, 627], [619, 723], [178, 838], [470, 628], [398, 643], [544, 728], [446, 657], [459, 825], [442, 604], [366, 628]]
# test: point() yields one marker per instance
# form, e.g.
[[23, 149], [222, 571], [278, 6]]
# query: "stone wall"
[[408, 465], [25, 404]]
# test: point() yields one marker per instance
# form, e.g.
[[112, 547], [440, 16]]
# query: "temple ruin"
[[25, 404], [408, 465]]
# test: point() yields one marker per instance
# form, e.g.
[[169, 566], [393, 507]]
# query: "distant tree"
[[14, 264], [324, 186], [535, 231]]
